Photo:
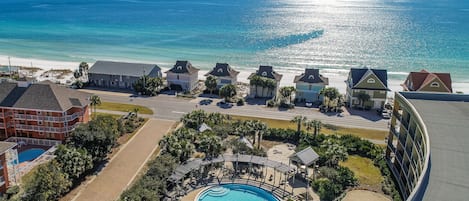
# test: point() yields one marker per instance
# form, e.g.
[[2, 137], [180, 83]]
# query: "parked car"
[[386, 114], [309, 104]]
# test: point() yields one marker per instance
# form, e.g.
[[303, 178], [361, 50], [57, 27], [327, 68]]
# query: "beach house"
[[182, 76], [7, 166], [224, 74], [309, 85], [429, 82], [264, 83], [41, 110], [122, 75], [367, 88]]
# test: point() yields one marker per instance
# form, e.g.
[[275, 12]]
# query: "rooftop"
[[43, 96], [267, 72], [124, 68], [183, 67], [417, 80], [446, 117], [4, 146], [306, 156], [358, 73], [223, 70], [311, 75]]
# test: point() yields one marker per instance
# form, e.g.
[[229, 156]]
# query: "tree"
[[330, 94], [211, 145], [77, 74], [74, 162], [317, 125], [334, 152], [194, 119], [211, 83], [147, 85], [299, 120], [136, 110], [363, 97], [98, 137], [228, 92], [287, 92], [270, 84], [95, 101], [48, 182]]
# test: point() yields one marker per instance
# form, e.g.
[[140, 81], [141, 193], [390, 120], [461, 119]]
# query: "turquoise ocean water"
[[399, 35]]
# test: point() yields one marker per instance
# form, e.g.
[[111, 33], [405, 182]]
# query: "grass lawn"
[[115, 116], [365, 171], [360, 132], [122, 107]]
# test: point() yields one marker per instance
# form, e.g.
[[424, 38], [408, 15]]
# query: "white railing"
[[2, 125], [48, 118], [34, 141], [44, 128]]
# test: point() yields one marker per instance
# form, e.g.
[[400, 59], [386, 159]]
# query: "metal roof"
[[306, 156], [446, 118], [182, 170], [126, 69]]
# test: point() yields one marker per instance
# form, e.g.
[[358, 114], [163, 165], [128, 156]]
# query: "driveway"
[[122, 169]]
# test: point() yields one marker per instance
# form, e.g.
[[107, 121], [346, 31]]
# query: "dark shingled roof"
[[267, 72], [126, 69], [42, 96], [358, 73], [311, 75], [223, 70], [183, 67], [4, 146]]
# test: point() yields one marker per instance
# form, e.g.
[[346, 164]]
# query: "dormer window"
[[311, 77], [220, 70], [264, 73], [371, 81], [435, 84], [179, 67]]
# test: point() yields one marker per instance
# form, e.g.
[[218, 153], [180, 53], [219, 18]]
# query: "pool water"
[[235, 192], [30, 154]]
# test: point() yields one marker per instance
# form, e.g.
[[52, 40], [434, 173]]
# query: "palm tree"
[[330, 93], [210, 145], [211, 83], [270, 84], [95, 101], [299, 121], [317, 125], [363, 97], [136, 110], [228, 92], [261, 128], [286, 92]]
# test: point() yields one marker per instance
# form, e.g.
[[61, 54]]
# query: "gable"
[[370, 81], [436, 85]]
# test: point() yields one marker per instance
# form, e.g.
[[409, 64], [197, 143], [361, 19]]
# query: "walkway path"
[[122, 169]]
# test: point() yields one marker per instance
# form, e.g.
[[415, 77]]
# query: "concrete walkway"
[[122, 169]]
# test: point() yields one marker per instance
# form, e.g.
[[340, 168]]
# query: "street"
[[172, 108]]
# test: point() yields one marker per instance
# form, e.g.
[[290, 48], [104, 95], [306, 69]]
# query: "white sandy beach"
[[336, 77]]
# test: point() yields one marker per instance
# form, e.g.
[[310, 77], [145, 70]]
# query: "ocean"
[[333, 35]]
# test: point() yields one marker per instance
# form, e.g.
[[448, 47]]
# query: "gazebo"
[[305, 157]]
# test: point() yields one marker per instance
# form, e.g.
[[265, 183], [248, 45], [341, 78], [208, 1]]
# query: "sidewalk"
[[122, 169]]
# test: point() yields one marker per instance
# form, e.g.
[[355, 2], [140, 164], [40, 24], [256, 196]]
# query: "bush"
[[240, 102], [283, 104], [331, 127], [271, 103], [326, 189], [279, 134]]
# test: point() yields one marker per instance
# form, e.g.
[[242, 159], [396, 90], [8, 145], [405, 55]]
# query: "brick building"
[[42, 110]]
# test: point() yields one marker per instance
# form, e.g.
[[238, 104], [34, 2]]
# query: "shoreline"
[[336, 77]]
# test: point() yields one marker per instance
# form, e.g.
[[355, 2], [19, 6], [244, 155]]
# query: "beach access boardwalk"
[[123, 168]]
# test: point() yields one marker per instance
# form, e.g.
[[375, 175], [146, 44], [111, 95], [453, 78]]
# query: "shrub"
[[240, 102], [271, 103]]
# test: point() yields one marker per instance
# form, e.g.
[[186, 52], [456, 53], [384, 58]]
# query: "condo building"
[[427, 148], [41, 110]]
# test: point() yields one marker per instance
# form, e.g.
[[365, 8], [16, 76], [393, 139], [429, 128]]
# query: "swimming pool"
[[229, 192], [29, 154]]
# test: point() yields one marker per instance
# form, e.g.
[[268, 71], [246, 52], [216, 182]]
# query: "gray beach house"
[[309, 85], [122, 75], [264, 83], [224, 74], [182, 76]]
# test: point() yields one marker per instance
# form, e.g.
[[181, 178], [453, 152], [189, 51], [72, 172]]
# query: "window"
[[40, 122], [112, 82], [179, 67], [41, 133], [371, 81], [435, 84], [220, 70], [311, 77], [38, 112], [178, 77], [264, 73]]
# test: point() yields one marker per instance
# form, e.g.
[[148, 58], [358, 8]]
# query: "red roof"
[[416, 80]]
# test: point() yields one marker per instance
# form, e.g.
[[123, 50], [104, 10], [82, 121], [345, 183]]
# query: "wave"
[[285, 41]]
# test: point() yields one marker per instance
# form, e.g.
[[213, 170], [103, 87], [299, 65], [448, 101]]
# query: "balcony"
[[2, 125], [395, 131], [44, 129], [1, 115], [391, 146], [48, 118]]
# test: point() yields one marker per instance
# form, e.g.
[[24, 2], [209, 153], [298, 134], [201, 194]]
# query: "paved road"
[[172, 108], [123, 168]]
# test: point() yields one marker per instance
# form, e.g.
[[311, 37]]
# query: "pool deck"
[[31, 146]]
